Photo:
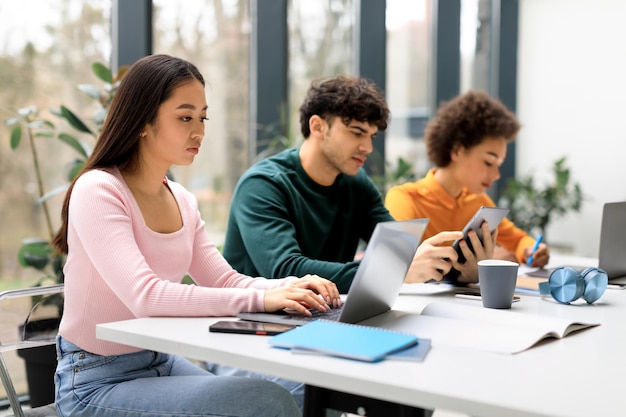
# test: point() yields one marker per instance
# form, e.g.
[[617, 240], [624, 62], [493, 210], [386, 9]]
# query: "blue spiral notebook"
[[351, 341]]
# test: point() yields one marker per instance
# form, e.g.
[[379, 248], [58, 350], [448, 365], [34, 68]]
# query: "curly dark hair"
[[346, 97], [466, 121]]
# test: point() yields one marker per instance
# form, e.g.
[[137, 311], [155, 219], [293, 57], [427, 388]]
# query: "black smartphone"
[[249, 327], [476, 296], [491, 215]]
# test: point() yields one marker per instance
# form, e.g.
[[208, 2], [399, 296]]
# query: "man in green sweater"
[[304, 210]]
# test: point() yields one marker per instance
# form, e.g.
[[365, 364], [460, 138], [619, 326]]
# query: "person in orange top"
[[467, 142]]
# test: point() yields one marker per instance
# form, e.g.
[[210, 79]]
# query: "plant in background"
[[36, 252], [396, 174], [532, 208], [275, 137]]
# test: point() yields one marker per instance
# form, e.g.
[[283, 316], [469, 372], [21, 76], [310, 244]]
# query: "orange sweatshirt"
[[427, 198]]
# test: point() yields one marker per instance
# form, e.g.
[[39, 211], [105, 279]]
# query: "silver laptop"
[[612, 252], [612, 255], [378, 279]]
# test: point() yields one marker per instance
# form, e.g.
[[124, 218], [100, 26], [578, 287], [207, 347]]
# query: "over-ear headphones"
[[566, 284]]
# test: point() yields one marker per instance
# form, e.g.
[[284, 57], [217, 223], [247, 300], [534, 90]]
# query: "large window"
[[474, 46], [320, 45], [47, 50], [214, 35], [407, 87]]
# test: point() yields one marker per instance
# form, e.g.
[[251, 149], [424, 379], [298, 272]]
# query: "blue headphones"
[[566, 284]]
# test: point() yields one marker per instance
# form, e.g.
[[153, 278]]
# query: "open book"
[[475, 327]]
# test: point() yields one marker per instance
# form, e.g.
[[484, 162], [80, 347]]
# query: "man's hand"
[[484, 250], [432, 261]]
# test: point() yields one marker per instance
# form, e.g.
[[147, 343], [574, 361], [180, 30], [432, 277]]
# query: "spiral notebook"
[[351, 341]]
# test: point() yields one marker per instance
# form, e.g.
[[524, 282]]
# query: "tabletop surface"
[[578, 375]]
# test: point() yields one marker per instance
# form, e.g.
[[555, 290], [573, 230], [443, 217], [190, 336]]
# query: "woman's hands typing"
[[310, 291]]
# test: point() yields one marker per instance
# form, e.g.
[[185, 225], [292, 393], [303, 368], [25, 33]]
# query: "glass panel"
[[475, 44], [320, 45], [407, 87], [214, 35], [47, 49]]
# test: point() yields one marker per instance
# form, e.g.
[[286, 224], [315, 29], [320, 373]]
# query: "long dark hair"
[[148, 83]]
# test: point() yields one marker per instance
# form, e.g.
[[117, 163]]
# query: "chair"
[[42, 411]]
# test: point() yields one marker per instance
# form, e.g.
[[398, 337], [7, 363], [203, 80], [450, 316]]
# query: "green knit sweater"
[[283, 223]]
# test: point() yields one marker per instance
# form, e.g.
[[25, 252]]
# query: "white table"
[[579, 375]]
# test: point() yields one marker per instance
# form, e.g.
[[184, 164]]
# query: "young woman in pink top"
[[130, 236]]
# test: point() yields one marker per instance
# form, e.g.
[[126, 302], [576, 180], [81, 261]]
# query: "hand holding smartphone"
[[492, 215]]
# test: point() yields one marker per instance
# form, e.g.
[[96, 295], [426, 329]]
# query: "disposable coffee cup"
[[497, 280]]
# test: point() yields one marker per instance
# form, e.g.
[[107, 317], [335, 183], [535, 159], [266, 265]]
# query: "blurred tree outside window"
[[46, 50], [320, 45]]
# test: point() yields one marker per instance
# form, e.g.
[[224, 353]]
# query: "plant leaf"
[[74, 120], [27, 111], [35, 124], [16, 136], [34, 253], [52, 193], [73, 142], [91, 90], [99, 116], [102, 72], [121, 72], [11, 121], [75, 167]]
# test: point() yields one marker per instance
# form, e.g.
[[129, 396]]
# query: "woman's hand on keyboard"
[[310, 291]]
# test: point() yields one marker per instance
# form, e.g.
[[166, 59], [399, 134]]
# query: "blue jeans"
[[152, 384], [295, 388]]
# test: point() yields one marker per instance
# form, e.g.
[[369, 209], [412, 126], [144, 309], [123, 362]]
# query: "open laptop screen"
[[612, 254], [378, 279]]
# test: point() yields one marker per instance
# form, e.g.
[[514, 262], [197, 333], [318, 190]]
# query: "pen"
[[537, 242]]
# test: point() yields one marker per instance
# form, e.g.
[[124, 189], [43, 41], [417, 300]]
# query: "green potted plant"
[[533, 207], [36, 252]]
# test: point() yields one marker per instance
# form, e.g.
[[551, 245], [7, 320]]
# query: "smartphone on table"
[[248, 327], [476, 296]]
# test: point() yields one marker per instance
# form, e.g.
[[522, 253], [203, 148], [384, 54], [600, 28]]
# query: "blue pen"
[[537, 242]]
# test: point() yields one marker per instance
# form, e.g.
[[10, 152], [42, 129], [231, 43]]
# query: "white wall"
[[572, 101]]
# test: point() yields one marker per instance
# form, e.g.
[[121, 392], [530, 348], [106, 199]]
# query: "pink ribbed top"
[[117, 268]]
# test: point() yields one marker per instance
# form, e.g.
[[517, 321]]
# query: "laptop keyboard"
[[332, 315]]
